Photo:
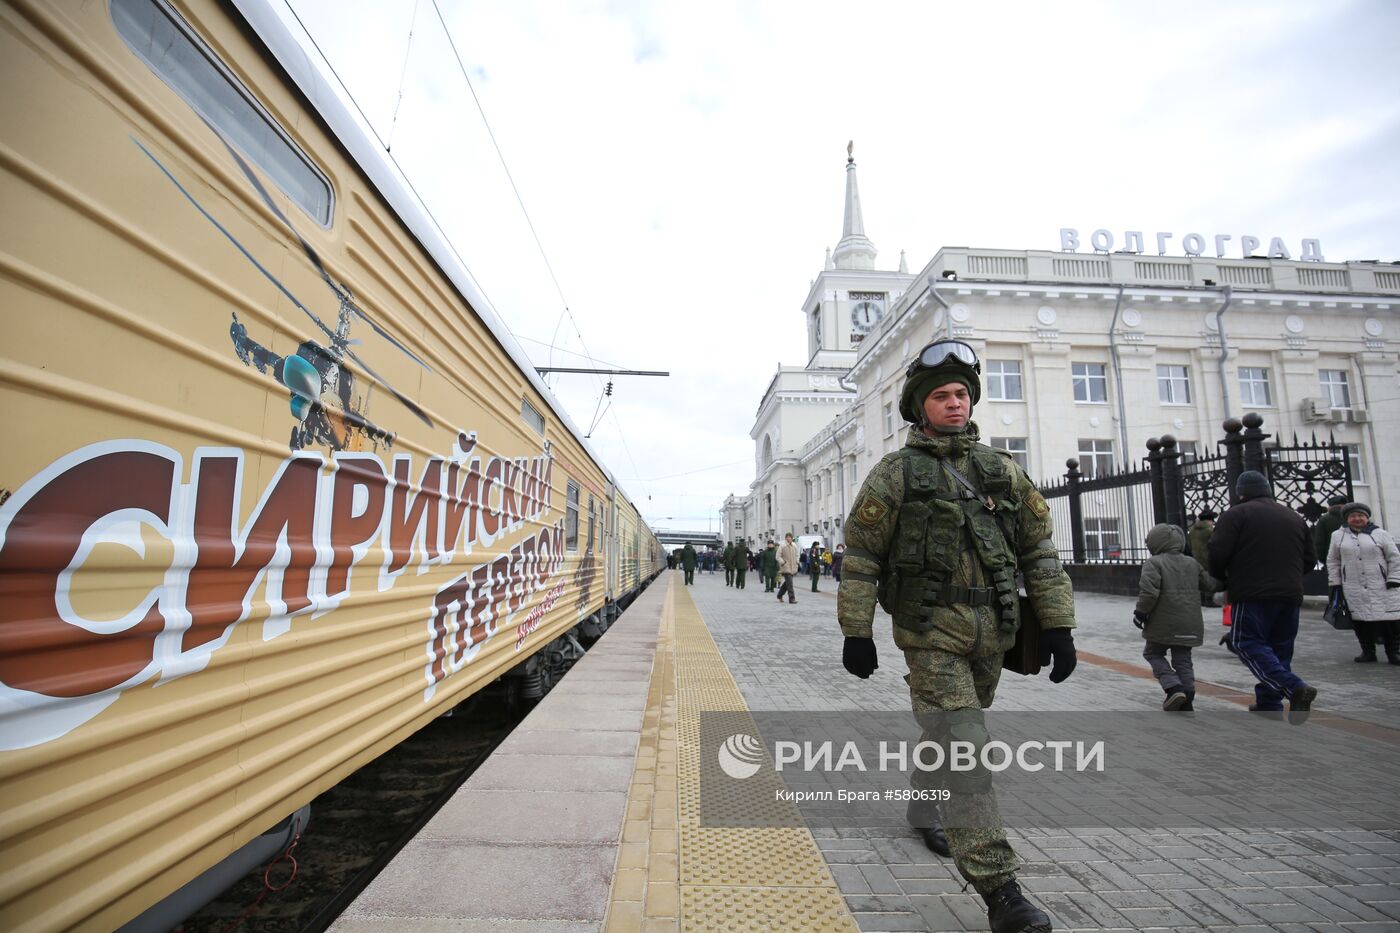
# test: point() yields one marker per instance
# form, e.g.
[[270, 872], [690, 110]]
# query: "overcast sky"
[[683, 165]]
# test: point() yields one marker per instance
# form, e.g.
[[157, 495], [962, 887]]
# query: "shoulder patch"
[[870, 510], [1037, 503]]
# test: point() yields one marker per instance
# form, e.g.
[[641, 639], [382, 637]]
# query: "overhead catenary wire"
[[513, 187], [403, 75], [587, 354]]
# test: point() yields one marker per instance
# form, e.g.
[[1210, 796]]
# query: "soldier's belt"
[[952, 595]]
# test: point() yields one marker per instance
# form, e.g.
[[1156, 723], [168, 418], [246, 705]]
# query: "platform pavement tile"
[[1313, 898], [1140, 917], [584, 705], [1287, 913], [1360, 909], [538, 817], [936, 914], [1210, 908], [569, 742], [535, 883], [511, 771], [879, 879], [347, 924], [889, 922], [563, 717]]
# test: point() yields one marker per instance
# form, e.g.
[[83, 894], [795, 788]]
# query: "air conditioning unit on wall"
[[1360, 415], [1316, 409]]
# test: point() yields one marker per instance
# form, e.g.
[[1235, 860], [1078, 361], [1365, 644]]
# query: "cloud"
[[683, 164]]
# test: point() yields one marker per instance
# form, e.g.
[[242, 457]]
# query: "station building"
[[1085, 355]]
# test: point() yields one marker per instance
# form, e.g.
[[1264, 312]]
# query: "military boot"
[[1008, 911], [928, 822]]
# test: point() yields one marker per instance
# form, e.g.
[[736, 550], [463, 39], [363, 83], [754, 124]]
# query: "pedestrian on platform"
[[1330, 521], [826, 562], [836, 559], [787, 567], [1198, 535], [1260, 550], [728, 564], [942, 527], [1169, 613], [770, 567], [814, 564], [688, 563], [741, 563], [1362, 559]]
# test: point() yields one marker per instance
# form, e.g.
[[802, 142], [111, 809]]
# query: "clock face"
[[817, 328], [865, 314]]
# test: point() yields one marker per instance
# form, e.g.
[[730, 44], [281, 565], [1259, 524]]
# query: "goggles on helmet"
[[940, 351]]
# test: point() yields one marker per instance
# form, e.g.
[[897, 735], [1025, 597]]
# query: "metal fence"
[[1105, 518]]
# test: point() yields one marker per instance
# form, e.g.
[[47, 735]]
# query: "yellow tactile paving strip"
[[674, 874]]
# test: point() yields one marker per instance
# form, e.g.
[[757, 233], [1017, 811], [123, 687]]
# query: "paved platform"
[[587, 817]]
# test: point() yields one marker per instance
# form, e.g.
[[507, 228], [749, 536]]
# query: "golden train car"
[[278, 487]]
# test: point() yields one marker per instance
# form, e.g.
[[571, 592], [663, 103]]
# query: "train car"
[[278, 486]]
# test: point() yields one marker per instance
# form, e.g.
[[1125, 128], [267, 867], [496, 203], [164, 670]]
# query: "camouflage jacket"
[[962, 629]]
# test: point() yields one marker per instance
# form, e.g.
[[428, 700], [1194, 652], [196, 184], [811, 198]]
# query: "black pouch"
[[1024, 655]]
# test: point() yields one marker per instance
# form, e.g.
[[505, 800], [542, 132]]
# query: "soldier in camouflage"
[[938, 534]]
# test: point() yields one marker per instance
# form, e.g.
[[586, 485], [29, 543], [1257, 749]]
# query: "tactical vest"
[[916, 577]]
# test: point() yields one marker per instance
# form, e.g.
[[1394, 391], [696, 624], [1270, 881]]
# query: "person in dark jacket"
[[688, 563], [1198, 535], [1330, 521], [740, 558], [770, 567], [1169, 613], [1261, 550], [814, 564], [836, 558]]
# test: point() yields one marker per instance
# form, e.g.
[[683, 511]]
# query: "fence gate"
[[1305, 475], [1105, 518]]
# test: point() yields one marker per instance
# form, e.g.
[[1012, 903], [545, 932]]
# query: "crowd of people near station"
[[777, 565]]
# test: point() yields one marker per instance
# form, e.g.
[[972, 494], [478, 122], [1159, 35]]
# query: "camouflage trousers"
[[949, 692]]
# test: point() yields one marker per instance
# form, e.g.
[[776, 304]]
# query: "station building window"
[[1173, 384], [1254, 387], [1090, 382], [1003, 381], [1016, 447], [1334, 386], [1095, 457], [1101, 541]]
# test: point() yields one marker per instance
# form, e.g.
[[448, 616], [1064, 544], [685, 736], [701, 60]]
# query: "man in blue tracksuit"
[[1261, 550]]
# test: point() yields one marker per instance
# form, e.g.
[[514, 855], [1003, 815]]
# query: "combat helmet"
[[941, 362]]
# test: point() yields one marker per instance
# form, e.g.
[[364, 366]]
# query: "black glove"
[[858, 656], [1392, 585], [1058, 643], [1139, 619]]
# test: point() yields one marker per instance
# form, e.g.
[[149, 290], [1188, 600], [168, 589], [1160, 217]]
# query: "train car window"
[[531, 415], [571, 518], [161, 39], [590, 523]]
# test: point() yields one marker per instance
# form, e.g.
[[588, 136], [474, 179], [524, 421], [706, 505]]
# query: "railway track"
[[358, 826]]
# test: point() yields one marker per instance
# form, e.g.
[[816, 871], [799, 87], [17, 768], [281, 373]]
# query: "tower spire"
[[854, 251]]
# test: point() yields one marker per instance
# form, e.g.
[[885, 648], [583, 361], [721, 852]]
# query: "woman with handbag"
[[1364, 562]]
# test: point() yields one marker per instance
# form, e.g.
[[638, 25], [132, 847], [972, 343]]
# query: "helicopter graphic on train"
[[320, 383]]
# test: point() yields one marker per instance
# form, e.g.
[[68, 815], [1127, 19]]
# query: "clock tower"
[[850, 298]]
